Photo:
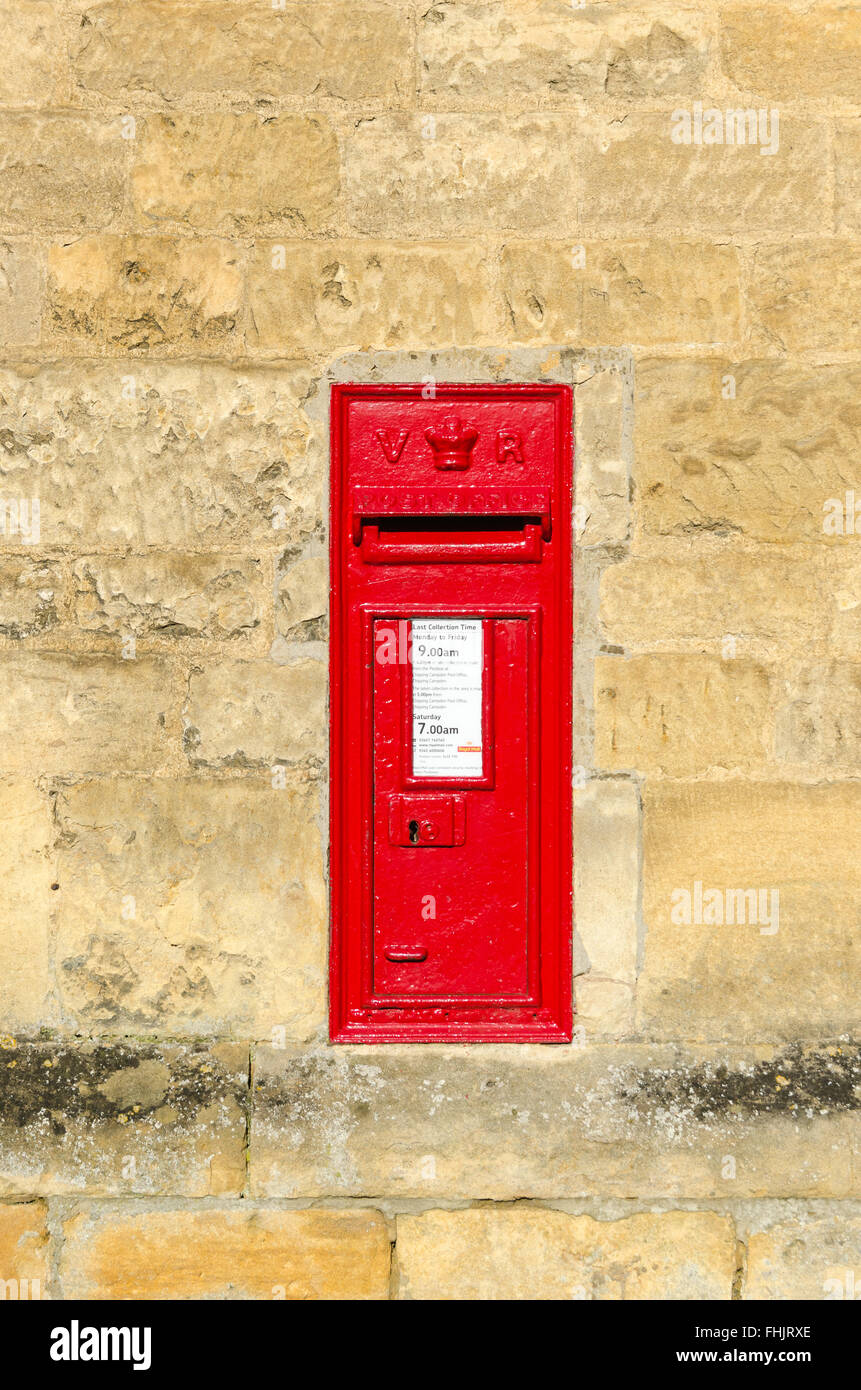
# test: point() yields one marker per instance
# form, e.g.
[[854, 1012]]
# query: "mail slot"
[[451, 709]]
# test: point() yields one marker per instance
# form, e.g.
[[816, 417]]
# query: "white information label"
[[447, 706]]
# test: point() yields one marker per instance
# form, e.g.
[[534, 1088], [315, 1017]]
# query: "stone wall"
[[210, 210]]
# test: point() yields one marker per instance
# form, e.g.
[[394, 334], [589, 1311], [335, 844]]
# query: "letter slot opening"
[[435, 540]]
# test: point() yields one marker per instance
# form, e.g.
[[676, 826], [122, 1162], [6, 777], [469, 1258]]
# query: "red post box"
[[451, 661]]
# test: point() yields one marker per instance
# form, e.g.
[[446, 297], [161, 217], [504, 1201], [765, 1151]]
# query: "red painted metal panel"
[[451, 652]]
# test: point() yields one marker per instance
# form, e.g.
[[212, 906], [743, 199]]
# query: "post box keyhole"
[[414, 832]]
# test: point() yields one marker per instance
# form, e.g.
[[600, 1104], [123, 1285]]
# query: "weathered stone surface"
[[134, 293], [31, 596], [500, 1123], [469, 365], [606, 896], [226, 1253], [227, 171], [192, 907], [845, 602], [716, 979], [59, 172], [602, 487], [413, 175], [819, 717], [847, 176], [681, 714], [120, 1119], [807, 1257], [142, 48], [218, 597], [514, 51], [162, 454], [622, 292], [24, 1270], [334, 296], [604, 1008], [806, 295], [816, 55], [693, 592], [26, 872], [248, 714], [34, 69], [62, 714], [528, 1253], [761, 462], [20, 295], [635, 175], [303, 599]]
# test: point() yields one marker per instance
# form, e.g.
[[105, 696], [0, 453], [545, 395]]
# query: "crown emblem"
[[452, 442]]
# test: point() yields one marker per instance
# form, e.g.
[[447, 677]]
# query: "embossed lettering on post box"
[[451, 650]]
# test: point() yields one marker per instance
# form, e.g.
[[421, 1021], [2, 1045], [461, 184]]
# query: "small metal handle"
[[403, 953]]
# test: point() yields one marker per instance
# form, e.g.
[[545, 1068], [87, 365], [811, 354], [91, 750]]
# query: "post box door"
[[451, 867], [450, 696]]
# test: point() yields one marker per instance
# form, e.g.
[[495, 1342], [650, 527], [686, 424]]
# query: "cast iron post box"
[[450, 697]]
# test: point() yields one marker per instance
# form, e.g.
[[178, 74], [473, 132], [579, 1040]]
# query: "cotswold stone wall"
[[211, 209]]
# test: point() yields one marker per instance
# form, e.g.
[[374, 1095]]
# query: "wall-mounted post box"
[[451, 658]]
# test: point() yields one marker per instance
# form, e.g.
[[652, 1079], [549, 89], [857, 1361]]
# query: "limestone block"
[[60, 172], [806, 295], [528, 1253], [451, 175], [748, 448], [121, 1119], [217, 597], [20, 294], [226, 1253], [512, 51], [714, 978], [635, 175], [602, 487], [34, 70], [125, 294], [65, 714], [251, 713], [647, 293], [681, 714], [228, 172], [605, 1119], [24, 1270], [227, 453], [805, 1257], [140, 49], [192, 907], [692, 591], [816, 58], [303, 599], [31, 596], [27, 872], [332, 296]]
